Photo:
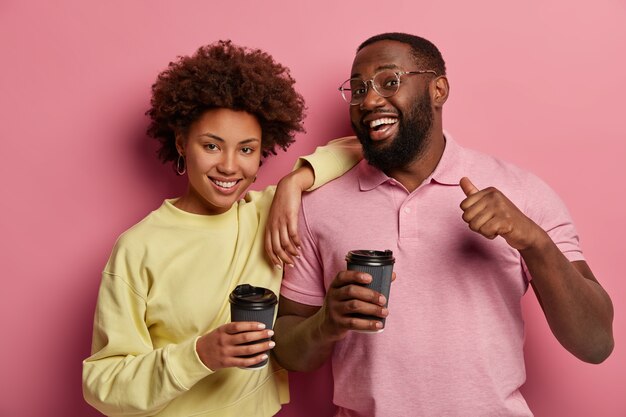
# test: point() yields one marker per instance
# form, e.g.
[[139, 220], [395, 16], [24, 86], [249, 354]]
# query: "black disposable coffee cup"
[[249, 303], [379, 264]]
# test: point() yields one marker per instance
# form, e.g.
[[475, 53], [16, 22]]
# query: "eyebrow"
[[378, 69], [219, 139]]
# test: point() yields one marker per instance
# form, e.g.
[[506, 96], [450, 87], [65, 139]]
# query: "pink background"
[[538, 83]]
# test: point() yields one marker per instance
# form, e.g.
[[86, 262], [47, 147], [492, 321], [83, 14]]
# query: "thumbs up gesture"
[[491, 214]]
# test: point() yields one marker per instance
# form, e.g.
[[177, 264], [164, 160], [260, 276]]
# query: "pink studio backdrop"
[[538, 83]]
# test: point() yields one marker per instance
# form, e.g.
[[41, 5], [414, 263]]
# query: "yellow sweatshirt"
[[166, 284]]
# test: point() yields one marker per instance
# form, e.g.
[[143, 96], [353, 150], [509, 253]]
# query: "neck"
[[412, 175]]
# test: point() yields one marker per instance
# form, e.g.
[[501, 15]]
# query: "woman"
[[163, 343]]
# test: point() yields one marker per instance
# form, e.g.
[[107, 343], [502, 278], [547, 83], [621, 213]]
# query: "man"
[[453, 339]]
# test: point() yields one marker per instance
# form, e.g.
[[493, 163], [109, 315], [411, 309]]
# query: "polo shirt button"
[[407, 210]]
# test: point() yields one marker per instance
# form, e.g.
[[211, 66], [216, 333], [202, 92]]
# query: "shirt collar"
[[448, 171]]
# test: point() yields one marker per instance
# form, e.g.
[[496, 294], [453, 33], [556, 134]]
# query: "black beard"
[[413, 133]]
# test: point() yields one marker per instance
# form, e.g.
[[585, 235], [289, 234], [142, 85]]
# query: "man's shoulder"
[[347, 182], [490, 168], [520, 185], [334, 197]]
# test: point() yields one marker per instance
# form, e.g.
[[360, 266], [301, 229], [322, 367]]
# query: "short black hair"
[[225, 75], [425, 53]]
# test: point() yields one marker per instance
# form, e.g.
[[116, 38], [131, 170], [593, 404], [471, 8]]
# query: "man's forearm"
[[577, 308], [300, 345]]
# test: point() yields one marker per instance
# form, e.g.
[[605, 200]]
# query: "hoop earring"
[[180, 167]]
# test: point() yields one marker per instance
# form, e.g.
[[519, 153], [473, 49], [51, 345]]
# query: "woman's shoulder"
[[141, 232]]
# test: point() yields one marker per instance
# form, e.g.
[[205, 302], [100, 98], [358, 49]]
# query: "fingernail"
[[290, 265], [270, 333], [264, 357], [279, 266], [379, 325], [272, 344], [261, 326], [381, 300]]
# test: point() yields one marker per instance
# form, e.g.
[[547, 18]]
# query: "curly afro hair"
[[224, 75]]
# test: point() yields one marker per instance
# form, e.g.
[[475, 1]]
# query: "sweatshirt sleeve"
[[126, 375], [332, 160]]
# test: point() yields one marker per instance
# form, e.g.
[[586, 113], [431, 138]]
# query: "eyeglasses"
[[386, 83]]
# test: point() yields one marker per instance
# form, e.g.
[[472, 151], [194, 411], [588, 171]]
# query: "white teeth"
[[383, 121], [225, 184]]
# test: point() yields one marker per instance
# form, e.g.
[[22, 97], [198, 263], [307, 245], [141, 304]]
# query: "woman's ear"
[[180, 143]]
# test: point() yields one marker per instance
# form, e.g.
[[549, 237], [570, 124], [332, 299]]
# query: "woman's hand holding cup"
[[226, 346]]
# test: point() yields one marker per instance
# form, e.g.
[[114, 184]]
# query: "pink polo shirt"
[[453, 341]]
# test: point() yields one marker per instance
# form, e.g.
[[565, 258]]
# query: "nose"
[[228, 163], [372, 98]]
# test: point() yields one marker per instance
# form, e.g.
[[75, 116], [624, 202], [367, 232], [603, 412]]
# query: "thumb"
[[468, 187]]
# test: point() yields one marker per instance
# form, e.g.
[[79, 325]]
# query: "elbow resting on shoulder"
[[598, 352], [601, 353]]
